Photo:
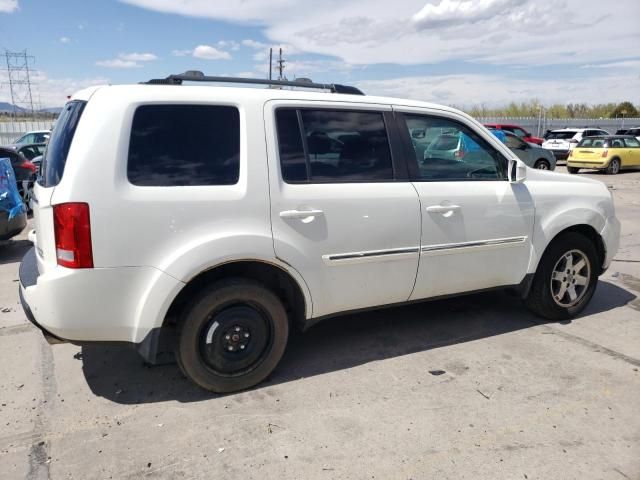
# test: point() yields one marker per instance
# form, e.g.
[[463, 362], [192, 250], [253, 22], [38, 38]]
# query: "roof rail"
[[197, 76]]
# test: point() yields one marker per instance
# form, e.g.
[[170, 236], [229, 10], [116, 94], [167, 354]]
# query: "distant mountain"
[[6, 107]]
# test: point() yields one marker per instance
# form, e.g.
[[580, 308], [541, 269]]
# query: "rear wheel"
[[542, 165], [566, 278], [613, 167], [573, 169], [233, 336]]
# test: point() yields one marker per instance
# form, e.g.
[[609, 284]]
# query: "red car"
[[519, 131]]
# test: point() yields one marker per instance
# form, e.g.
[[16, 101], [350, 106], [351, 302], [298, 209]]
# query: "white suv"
[[563, 140], [209, 220]]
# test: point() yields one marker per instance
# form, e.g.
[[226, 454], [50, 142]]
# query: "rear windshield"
[[594, 142], [448, 142], [561, 135], [55, 156]]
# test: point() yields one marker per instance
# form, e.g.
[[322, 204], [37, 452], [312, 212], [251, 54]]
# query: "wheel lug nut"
[[227, 337], [230, 348], [246, 335], [237, 329], [241, 347]]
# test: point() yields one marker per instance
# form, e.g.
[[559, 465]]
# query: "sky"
[[456, 52]]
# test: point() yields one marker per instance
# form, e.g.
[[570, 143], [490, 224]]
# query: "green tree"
[[624, 109]]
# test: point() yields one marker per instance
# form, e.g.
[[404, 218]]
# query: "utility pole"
[[270, 63], [19, 78], [281, 63]]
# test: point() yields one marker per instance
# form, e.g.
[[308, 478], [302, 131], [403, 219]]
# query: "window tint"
[[519, 132], [594, 142], [632, 142], [179, 145], [451, 151], [513, 142], [333, 146], [616, 143], [561, 135], [55, 157]]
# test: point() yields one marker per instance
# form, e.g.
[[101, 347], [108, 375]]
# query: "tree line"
[[535, 108]]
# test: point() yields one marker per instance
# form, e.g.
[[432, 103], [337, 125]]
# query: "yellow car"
[[610, 153]]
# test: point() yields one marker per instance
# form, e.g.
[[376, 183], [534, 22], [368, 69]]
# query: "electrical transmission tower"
[[18, 76]]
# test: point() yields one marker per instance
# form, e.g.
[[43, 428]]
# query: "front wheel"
[[233, 336], [542, 165], [566, 278], [613, 167], [573, 170]]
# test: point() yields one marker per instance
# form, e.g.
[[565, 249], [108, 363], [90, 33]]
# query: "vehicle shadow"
[[119, 374], [13, 250]]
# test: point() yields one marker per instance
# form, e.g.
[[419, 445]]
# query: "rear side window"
[[184, 145], [55, 157], [333, 146]]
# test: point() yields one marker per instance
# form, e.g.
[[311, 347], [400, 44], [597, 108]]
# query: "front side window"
[[333, 146], [184, 145], [451, 151]]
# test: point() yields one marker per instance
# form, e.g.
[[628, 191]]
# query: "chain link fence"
[[539, 125], [12, 130]]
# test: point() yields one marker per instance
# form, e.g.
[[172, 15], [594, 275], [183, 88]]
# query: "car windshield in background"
[[593, 142], [561, 135], [445, 142], [58, 148]]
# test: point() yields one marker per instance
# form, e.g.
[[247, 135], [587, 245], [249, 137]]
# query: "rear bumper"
[[586, 164], [101, 305], [560, 154]]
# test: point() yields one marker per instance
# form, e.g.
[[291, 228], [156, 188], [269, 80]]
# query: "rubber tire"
[[539, 299], [609, 170], [539, 162], [573, 170], [234, 290]]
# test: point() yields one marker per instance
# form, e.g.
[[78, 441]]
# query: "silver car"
[[530, 153]]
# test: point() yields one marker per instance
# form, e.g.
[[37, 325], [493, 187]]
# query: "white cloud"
[[8, 6], [138, 57], [117, 63], [127, 60], [491, 32], [65, 40], [206, 52], [228, 45], [618, 64], [52, 92], [496, 90]]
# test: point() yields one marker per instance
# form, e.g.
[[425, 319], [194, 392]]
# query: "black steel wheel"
[[233, 336]]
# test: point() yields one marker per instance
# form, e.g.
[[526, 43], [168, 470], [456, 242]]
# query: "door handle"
[[442, 208], [300, 213]]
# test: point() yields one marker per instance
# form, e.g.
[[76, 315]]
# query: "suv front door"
[[476, 226], [343, 211]]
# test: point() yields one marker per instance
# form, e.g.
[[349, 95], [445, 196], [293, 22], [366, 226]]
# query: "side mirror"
[[517, 171]]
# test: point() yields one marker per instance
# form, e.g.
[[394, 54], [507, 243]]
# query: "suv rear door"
[[343, 212]]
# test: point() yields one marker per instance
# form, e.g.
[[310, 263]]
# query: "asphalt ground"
[[472, 387]]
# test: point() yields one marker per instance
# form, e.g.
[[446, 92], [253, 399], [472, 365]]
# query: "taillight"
[[570, 153], [28, 166], [72, 229], [459, 154], [605, 153]]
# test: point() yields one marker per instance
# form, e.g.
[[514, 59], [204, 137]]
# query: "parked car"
[[13, 215], [29, 151], [36, 136], [563, 140], [516, 130], [635, 131], [531, 154], [611, 154], [25, 170], [144, 237]]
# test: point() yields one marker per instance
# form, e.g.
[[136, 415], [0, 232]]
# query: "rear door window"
[[333, 146], [55, 157], [184, 145]]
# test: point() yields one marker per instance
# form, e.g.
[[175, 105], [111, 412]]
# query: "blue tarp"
[[10, 200], [499, 133]]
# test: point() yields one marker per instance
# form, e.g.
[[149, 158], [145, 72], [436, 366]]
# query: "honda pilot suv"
[[210, 220]]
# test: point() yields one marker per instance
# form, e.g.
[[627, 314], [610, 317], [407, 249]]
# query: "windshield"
[[564, 135], [445, 142], [55, 156]]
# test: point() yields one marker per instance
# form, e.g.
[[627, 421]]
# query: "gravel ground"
[[473, 387]]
